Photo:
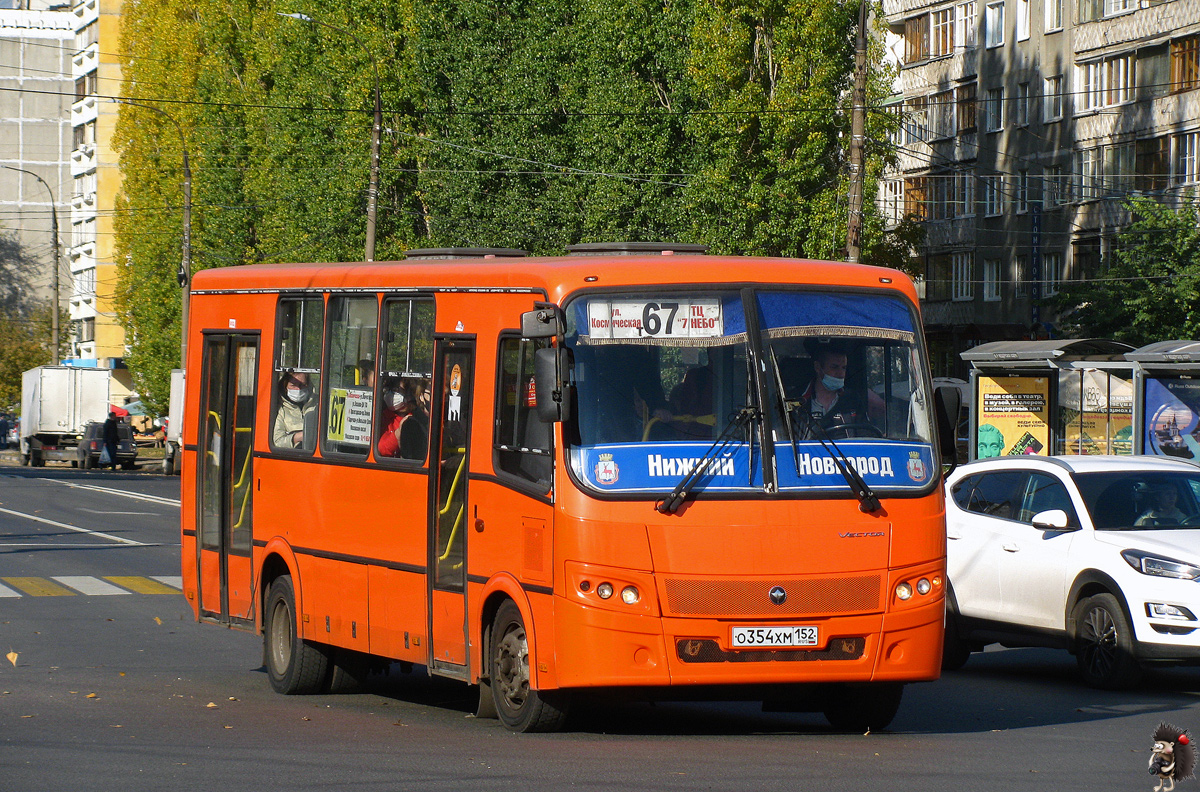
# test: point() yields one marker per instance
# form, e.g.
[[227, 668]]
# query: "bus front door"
[[450, 423], [225, 478]]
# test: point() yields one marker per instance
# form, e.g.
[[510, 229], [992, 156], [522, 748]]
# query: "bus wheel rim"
[[512, 668], [281, 637]]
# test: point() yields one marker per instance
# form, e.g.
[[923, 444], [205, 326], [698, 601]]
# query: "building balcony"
[[85, 60], [84, 110], [85, 11], [83, 159], [943, 71], [1175, 112], [1143, 25]]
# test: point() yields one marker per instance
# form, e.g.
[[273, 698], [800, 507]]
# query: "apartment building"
[[1026, 122], [97, 339], [35, 137]]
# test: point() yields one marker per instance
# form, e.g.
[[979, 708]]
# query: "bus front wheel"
[[861, 708], [520, 707], [294, 665]]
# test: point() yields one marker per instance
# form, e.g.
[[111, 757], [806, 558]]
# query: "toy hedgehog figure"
[[1172, 758]]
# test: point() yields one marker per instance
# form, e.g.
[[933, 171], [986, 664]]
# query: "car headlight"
[[1158, 566]]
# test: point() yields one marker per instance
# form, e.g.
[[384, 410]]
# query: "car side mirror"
[[551, 366], [1052, 520], [544, 321]]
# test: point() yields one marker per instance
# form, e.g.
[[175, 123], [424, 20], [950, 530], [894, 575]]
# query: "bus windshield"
[[660, 376]]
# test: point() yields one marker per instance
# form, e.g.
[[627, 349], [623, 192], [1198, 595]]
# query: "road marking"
[[141, 585], [85, 584], [97, 534], [175, 581], [110, 491], [101, 511], [38, 587], [5, 591]]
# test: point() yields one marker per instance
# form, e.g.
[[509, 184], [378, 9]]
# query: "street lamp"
[[373, 186], [184, 275], [57, 263]]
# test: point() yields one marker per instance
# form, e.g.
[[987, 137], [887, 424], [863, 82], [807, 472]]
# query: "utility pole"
[[858, 133], [57, 264]]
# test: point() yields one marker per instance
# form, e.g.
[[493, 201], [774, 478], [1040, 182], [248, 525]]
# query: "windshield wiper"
[[742, 418], [868, 501]]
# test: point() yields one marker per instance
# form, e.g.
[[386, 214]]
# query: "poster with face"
[[1172, 416], [1013, 416]]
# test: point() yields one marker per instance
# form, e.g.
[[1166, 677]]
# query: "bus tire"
[[294, 665], [519, 706], [862, 708]]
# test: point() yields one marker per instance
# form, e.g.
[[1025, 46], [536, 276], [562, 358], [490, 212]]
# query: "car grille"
[[701, 650], [805, 596]]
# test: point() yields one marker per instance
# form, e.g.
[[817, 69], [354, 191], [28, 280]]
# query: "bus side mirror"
[[545, 321], [947, 402], [553, 394]]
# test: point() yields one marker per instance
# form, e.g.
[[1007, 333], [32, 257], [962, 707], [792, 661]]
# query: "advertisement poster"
[[1172, 407], [1096, 409], [1013, 416]]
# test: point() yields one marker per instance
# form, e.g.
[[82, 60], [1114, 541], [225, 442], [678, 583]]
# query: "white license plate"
[[774, 637]]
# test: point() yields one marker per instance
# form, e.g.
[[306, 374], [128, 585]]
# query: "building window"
[[1187, 158], [964, 97], [941, 197], [1022, 20], [916, 39], [1089, 10], [1088, 86], [1105, 83], [1054, 15], [1051, 273], [993, 24], [1023, 104], [964, 21], [1118, 167], [1052, 98], [1057, 186], [1020, 274], [964, 193], [1152, 165], [917, 120], [961, 286], [994, 109], [87, 330], [991, 280], [942, 42], [1185, 63], [1087, 170], [1021, 194], [84, 38], [85, 86], [993, 198], [1112, 7], [941, 108], [891, 199]]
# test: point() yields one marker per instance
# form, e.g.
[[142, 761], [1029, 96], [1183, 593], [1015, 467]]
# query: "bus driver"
[[826, 402]]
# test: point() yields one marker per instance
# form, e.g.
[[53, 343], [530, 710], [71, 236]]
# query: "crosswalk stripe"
[[5, 591], [141, 585], [38, 587], [175, 581], [86, 584]]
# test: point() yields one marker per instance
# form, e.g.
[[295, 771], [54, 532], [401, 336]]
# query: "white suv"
[[1098, 555]]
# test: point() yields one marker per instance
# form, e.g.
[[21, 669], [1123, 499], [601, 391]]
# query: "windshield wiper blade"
[[670, 504], [868, 501]]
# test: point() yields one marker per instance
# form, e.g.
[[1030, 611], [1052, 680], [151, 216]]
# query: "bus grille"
[[805, 596], [699, 650]]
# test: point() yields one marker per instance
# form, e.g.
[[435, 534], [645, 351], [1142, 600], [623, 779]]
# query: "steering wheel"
[[1192, 520], [869, 429]]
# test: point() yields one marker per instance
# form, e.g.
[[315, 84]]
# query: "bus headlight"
[[630, 595], [904, 590], [604, 590], [923, 586]]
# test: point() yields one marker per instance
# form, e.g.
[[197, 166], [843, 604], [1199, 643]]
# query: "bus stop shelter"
[[1057, 396], [1166, 412]]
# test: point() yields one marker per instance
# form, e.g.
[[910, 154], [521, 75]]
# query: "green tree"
[[24, 344], [1150, 292]]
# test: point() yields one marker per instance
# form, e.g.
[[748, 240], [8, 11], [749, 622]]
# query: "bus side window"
[[405, 374], [523, 444], [296, 381], [353, 322]]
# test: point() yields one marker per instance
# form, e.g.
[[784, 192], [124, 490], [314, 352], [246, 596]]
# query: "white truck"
[[57, 402], [174, 444]]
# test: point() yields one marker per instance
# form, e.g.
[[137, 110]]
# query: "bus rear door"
[[226, 476], [449, 515]]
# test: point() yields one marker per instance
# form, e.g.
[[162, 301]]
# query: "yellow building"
[[97, 337]]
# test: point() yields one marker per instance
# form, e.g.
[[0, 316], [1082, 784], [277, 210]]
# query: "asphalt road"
[[114, 687]]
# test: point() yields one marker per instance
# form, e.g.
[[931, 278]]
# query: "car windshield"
[[660, 376], [1141, 500]]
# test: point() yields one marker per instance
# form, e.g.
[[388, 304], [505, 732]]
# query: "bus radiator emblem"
[[778, 595]]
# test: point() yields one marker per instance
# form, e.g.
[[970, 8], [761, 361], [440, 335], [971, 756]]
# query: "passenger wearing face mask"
[[296, 403], [406, 432], [826, 401]]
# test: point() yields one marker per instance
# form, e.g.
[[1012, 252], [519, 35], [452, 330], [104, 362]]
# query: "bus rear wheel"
[[861, 708], [294, 665], [520, 707]]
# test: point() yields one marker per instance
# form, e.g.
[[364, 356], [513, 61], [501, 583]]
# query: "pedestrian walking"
[[4, 429], [111, 438]]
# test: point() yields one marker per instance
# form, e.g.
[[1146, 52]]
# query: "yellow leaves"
[[12, 658], [91, 695]]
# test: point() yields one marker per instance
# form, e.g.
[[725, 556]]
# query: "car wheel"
[[520, 707], [861, 708], [294, 665], [1104, 645]]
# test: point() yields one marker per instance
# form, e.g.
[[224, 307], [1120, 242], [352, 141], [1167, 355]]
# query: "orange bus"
[[636, 468]]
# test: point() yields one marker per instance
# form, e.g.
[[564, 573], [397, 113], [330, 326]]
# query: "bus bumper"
[[602, 648]]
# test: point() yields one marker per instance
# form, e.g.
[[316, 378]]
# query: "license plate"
[[774, 637]]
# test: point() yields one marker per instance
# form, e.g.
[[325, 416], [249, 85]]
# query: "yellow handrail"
[[707, 420], [462, 465]]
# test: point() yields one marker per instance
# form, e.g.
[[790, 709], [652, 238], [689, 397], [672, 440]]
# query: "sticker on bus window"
[[693, 318], [350, 416]]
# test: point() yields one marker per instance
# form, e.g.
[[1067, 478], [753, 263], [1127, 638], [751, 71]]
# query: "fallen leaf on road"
[[157, 620], [212, 705], [12, 658], [92, 695]]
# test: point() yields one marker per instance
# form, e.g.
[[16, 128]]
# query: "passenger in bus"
[[826, 401], [406, 423], [296, 404], [691, 404], [366, 373]]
